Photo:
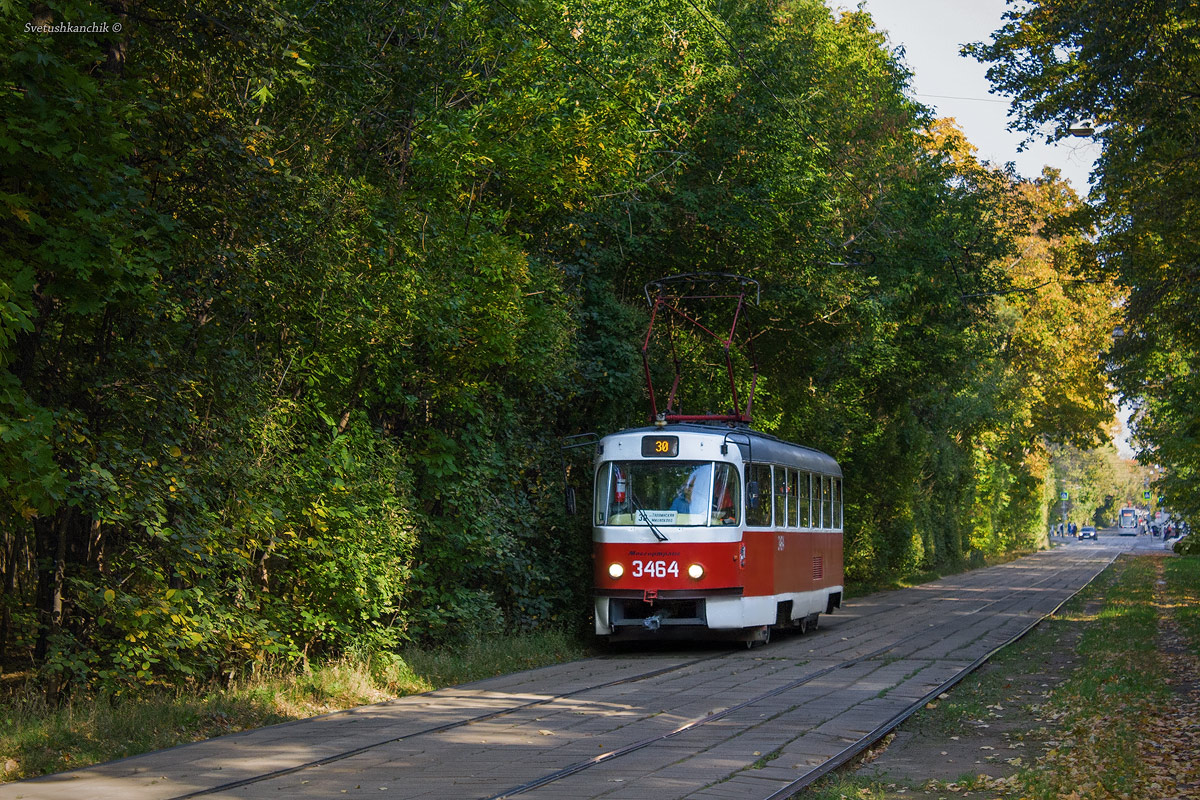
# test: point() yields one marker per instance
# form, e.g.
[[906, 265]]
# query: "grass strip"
[[1183, 588], [1096, 718], [1080, 736]]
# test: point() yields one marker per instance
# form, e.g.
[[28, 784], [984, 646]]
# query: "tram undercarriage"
[[734, 618]]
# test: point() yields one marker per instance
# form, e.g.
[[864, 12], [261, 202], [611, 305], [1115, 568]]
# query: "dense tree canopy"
[[299, 302], [1134, 67]]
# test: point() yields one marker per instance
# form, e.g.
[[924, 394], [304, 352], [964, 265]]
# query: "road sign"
[[1062, 495], [1145, 495]]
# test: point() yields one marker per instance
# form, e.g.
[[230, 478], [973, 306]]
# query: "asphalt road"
[[702, 722], [1111, 537]]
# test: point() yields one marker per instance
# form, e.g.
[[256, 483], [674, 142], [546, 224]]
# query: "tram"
[[703, 526], [715, 530], [1127, 521]]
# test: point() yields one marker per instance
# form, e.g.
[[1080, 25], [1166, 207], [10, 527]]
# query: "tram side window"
[[826, 501], [818, 500], [837, 502], [793, 493], [781, 496], [803, 497], [727, 496], [758, 505]]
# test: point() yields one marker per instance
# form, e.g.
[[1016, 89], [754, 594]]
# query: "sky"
[[931, 32]]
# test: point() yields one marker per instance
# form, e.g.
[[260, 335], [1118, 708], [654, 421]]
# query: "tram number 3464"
[[655, 569]]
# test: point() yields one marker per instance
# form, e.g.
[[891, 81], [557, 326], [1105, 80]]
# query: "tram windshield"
[[681, 493]]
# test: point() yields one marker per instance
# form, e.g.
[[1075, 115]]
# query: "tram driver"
[[682, 504], [690, 497]]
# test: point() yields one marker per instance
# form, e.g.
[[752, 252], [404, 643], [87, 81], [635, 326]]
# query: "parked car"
[[1087, 532]]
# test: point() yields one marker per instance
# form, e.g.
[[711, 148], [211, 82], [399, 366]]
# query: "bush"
[[1188, 546]]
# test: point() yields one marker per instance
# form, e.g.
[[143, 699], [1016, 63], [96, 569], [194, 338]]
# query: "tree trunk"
[[51, 542], [8, 591]]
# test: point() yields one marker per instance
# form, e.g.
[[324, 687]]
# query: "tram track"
[[848, 752], [633, 747], [867, 641], [851, 752], [320, 762], [630, 748], [349, 753]]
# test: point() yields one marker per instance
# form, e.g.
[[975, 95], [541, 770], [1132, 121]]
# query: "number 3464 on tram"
[[705, 530]]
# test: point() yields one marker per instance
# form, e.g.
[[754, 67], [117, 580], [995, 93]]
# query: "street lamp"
[[1082, 127]]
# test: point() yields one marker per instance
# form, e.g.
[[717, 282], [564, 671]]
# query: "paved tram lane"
[[712, 723]]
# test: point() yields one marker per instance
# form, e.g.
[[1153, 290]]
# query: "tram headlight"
[[696, 572], [615, 571]]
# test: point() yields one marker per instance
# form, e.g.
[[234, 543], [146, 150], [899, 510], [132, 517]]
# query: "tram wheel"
[[760, 640]]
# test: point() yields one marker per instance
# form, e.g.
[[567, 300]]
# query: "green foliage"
[[1098, 484], [1188, 546], [295, 312]]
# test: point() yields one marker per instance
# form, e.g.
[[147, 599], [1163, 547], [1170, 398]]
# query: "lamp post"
[[1154, 509]]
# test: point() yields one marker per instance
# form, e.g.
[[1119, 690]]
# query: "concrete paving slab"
[[781, 711]]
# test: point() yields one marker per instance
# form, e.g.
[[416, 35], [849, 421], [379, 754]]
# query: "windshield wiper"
[[638, 507]]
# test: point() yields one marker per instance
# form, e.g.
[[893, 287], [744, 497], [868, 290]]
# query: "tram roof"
[[753, 444]]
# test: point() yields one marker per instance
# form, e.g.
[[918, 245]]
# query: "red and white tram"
[[715, 530]]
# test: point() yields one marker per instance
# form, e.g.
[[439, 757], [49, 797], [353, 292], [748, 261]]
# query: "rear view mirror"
[[569, 497], [752, 494]]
